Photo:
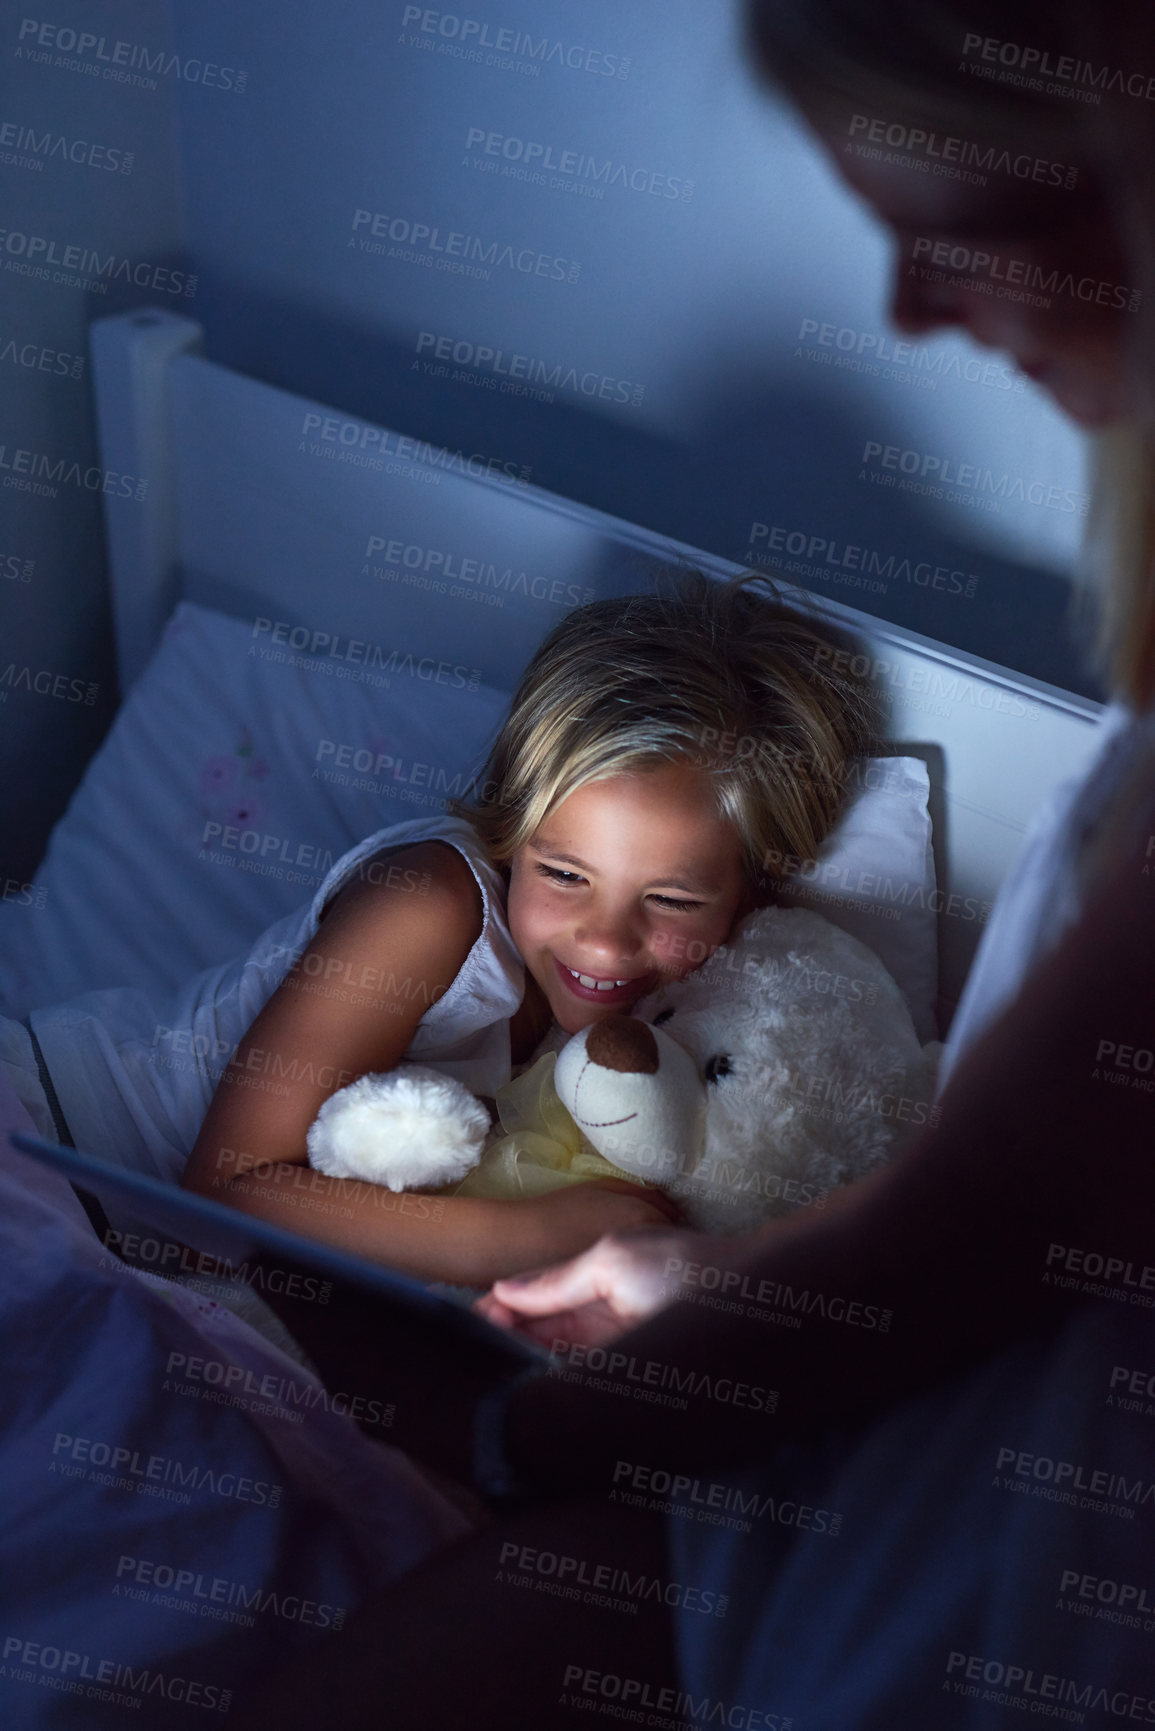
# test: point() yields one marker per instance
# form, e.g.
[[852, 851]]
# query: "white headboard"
[[267, 505]]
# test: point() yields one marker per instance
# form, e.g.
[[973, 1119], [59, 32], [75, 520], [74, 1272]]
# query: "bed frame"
[[267, 505]]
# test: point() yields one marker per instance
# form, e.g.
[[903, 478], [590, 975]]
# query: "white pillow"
[[237, 770], [874, 876]]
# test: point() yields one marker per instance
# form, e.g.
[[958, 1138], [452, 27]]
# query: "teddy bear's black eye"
[[718, 1065], [662, 1016]]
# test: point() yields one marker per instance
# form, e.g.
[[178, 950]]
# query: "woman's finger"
[[494, 1311], [565, 1287], [593, 1325]]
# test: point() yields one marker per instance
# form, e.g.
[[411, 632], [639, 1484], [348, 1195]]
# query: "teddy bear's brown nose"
[[623, 1043]]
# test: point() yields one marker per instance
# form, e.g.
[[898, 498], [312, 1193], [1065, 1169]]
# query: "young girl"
[[659, 748]]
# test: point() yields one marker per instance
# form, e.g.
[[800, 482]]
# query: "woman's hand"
[[611, 1287]]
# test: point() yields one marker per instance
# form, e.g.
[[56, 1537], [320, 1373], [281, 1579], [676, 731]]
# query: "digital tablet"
[[365, 1327]]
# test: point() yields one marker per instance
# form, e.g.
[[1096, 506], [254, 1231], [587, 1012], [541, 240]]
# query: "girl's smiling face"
[[629, 881]]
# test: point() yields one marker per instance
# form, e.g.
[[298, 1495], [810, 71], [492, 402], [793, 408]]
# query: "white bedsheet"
[[158, 1531]]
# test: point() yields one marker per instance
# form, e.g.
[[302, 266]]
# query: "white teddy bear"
[[786, 1065]]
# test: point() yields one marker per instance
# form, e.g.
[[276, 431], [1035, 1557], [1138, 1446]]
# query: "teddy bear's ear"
[[751, 925]]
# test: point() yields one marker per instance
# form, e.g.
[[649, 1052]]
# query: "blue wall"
[[88, 166], [702, 290], [657, 297]]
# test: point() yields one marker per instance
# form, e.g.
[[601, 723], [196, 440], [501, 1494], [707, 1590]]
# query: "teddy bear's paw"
[[409, 1127]]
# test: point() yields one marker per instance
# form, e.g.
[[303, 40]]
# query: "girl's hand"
[[563, 1222], [611, 1287]]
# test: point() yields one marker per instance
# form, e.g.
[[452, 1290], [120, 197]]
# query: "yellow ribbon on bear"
[[542, 1150]]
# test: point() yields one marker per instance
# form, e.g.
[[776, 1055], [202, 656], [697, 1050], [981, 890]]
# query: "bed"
[[318, 624]]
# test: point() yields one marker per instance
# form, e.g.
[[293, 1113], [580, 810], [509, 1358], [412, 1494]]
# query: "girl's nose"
[[607, 937]]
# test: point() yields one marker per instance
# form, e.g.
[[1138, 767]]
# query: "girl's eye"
[[568, 879], [557, 876]]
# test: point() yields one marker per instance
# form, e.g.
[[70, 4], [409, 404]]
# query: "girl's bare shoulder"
[[425, 881]]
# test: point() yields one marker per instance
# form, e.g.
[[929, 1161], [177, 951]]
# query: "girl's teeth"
[[588, 981]]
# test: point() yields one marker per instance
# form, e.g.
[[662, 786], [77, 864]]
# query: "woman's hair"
[[1117, 561], [910, 62], [701, 672], [923, 59]]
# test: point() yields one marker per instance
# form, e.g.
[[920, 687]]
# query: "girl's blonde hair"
[[904, 62], [708, 673]]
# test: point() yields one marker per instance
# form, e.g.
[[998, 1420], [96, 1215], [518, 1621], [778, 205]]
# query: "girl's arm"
[[351, 1004]]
